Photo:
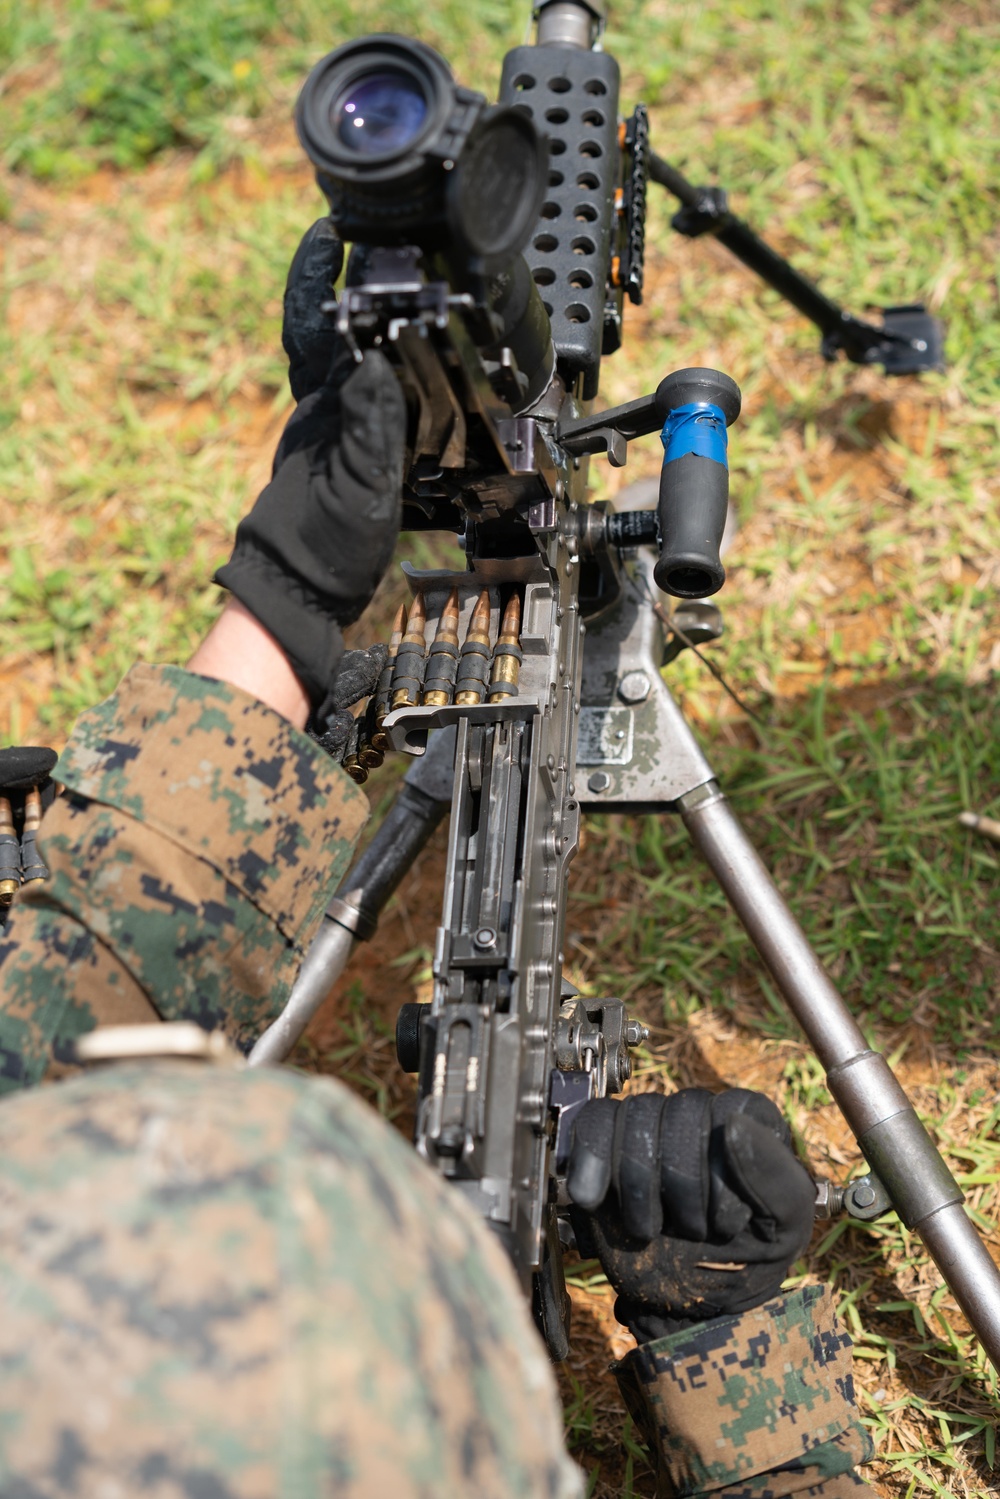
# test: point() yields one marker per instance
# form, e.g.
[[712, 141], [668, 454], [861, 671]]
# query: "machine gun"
[[491, 265]]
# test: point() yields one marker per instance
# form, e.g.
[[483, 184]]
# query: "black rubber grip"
[[694, 498], [698, 406]]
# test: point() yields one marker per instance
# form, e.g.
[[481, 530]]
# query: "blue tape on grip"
[[698, 428]]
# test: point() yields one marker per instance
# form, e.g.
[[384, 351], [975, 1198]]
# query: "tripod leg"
[[352, 915], [894, 1142]]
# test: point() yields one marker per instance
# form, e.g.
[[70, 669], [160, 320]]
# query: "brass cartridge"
[[350, 762], [442, 660], [10, 856], [408, 673], [383, 692], [32, 868], [507, 656], [369, 755], [473, 668]]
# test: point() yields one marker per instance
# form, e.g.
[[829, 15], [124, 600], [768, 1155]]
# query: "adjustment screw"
[[829, 1199], [599, 781], [634, 687]]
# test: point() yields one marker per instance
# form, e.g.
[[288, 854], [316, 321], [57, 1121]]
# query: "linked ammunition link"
[[351, 762], [408, 673], [23, 777], [474, 666], [507, 656], [370, 756], [32, 868], [10, 856], [383, 692], [442, 662], [450, 671]]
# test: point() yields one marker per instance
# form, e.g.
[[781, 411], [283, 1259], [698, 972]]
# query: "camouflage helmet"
[[242, 1284]]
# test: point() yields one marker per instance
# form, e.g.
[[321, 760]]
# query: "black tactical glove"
[[310, 554], [694, 1204], [357, 678], [307, 332]]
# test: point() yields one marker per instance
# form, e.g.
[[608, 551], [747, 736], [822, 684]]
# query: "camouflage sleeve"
[[192, 855], [755, 1406]]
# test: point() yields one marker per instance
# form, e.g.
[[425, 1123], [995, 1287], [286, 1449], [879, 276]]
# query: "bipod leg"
[[420, 805], [660, 767], [889, 1134], [909, 339]]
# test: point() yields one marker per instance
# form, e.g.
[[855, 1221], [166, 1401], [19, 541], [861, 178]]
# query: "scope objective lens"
[[380, 114]]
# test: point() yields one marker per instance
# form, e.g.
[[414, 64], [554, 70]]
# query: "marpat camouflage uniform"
[[193, 853], [199, 841], [753, 1406], [244, 1285]]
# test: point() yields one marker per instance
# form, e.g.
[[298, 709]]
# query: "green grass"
[[152, 195], [856, 814], [118, 84], [123, 82], [139, 512]]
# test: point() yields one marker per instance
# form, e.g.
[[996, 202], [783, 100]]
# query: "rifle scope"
[[406, 156]]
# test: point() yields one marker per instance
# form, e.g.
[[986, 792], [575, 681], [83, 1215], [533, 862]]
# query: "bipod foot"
[[909, 341]]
